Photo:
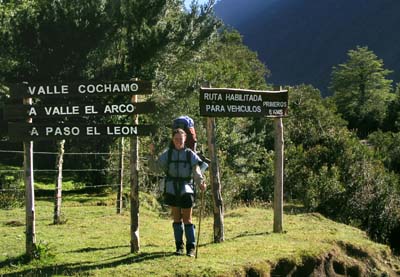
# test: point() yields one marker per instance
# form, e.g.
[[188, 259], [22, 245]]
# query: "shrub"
[[11, 187]]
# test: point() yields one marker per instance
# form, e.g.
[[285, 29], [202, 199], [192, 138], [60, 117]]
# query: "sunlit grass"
[[95, 241], [67, 185]]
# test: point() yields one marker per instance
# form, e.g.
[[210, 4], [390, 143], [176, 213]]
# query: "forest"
[[342, 153]]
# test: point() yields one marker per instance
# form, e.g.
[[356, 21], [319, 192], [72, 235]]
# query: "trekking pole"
[[201, 212]]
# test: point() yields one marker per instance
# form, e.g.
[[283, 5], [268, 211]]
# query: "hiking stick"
[[201, 212]]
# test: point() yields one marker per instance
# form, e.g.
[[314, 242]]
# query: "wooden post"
[[215, 182], [134, 180], [29, 193], [278, 189], [58, 190], [121, 176]]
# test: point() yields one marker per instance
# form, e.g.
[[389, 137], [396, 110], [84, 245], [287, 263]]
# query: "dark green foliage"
[[314, 146], [329, 170], [247, 167], [386, 147], [49, 40], [392, 121], [11, 187]]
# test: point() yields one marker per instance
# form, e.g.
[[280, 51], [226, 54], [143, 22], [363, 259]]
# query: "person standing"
[[182, 174]]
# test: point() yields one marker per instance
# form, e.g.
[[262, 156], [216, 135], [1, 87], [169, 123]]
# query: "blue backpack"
[[187, 124]]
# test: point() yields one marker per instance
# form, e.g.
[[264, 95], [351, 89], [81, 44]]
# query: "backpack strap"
[[169, 156], [189, 161], [189, 158]]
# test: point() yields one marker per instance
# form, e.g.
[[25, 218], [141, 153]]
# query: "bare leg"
[[187, 215], [176, 214]]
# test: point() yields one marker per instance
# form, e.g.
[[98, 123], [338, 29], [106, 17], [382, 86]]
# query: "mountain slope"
[[300, 40]]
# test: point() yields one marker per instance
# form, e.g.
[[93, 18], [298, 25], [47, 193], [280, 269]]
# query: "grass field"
[[95, 241]]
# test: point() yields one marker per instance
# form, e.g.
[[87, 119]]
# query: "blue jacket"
[[182, 170]]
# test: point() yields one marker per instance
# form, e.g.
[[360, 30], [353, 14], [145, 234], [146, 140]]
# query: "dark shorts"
[[184, 201]]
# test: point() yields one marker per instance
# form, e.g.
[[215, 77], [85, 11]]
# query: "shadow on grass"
[[77, 268], [294, 209], [241, 235], [92, 249], [15, 261], [249, 234]]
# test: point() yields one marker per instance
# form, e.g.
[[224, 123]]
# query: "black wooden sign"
[[79, 89], [14, 112], [73, 105], [26, 131], [227, 102]]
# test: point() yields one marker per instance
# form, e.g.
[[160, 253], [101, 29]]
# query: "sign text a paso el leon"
[[228, 102], [27, 131], [76, 89]]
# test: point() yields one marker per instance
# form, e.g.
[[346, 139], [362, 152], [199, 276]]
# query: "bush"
[[43, 251], [11, 187], [386, 147]]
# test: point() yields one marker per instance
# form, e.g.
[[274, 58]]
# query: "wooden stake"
[[121, 176], [278, 189], [58, 190], [134, 180], [29, 193], [199, 227], [215, 182]]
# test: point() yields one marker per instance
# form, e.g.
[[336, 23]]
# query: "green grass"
[[67, 185], [95, 241]]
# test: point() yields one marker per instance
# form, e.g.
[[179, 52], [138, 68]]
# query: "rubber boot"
[[178, 235], [190, 240]]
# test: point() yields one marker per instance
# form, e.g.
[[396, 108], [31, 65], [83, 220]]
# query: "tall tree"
[[148, 32], [361, 90]]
